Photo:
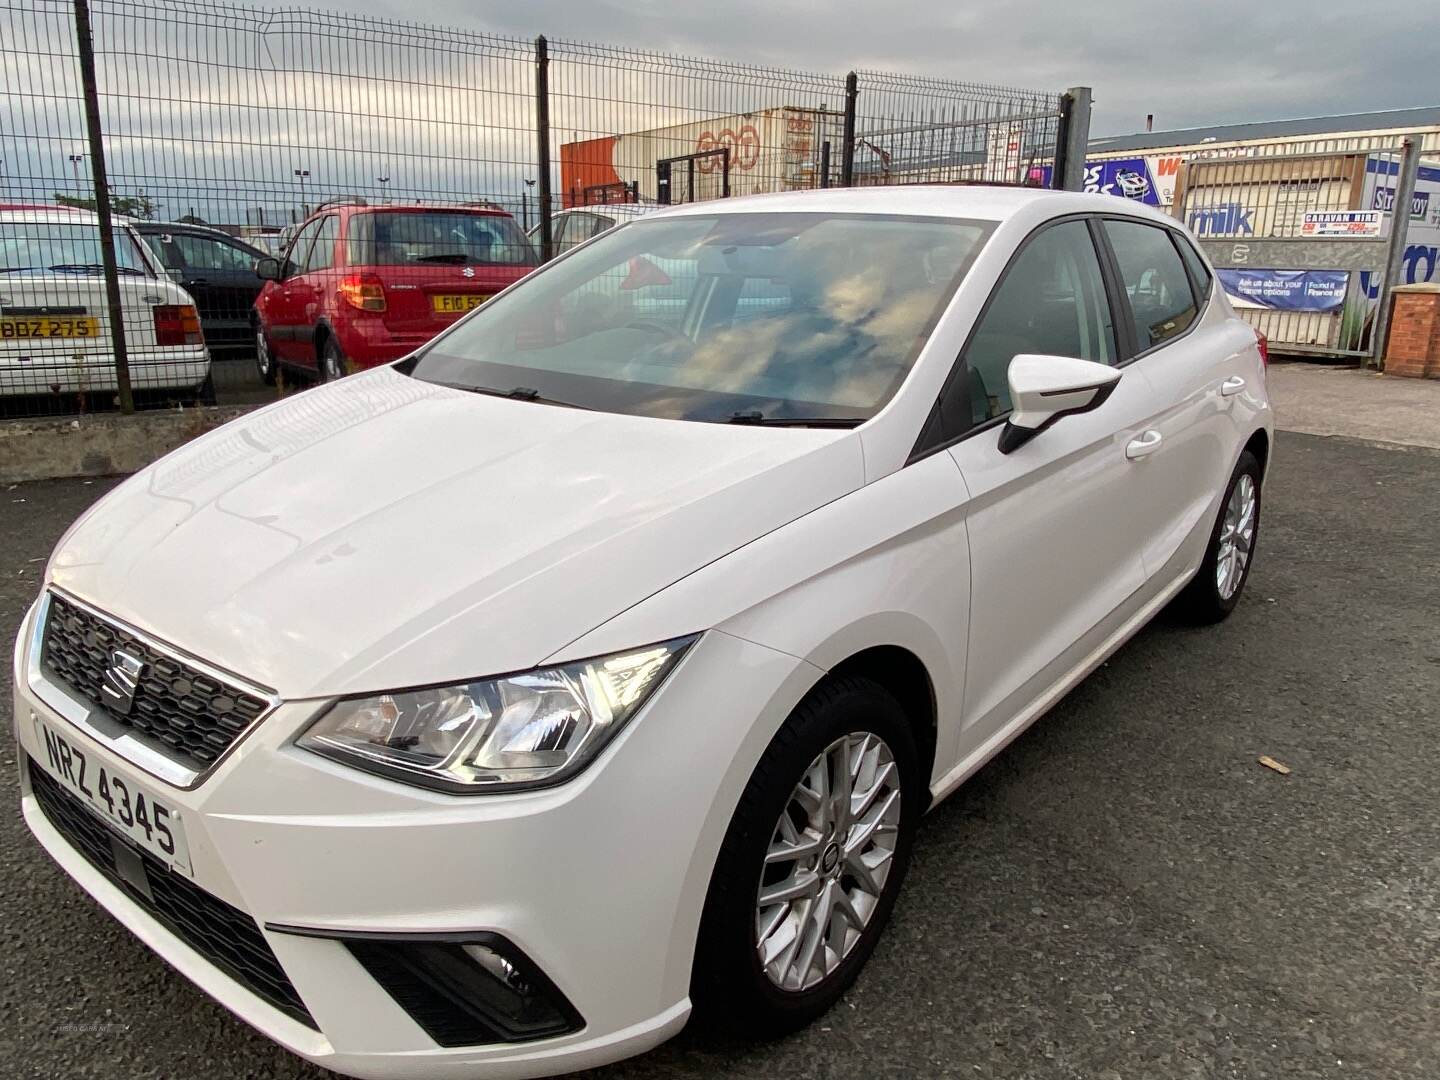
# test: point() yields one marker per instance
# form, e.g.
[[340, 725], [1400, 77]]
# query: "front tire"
[[812, 862], [1217, 585]]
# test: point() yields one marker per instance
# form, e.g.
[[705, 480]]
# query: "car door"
[[220, 275], [1053, 560], [310, 287], [281, 305], [1188, 350]]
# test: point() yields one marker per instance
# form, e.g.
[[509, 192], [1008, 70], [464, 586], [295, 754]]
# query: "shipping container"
[[778, 149]]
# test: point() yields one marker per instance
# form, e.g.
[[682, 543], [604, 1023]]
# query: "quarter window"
[[1196, 265], [1051, 301], [1162, 304]]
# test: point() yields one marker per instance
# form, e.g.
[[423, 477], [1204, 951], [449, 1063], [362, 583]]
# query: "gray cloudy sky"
[[1191, 63]]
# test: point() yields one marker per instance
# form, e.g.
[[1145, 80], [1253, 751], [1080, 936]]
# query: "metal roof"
[[1389, 119]]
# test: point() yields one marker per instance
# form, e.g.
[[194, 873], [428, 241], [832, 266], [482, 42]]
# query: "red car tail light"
[[363, 291], [1263, 343], [177, 324]]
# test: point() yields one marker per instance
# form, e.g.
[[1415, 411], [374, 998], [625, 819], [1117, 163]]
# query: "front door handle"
[[1232, 386], [1147, 442]]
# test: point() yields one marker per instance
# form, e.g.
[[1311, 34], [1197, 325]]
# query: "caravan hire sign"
[[1336, 223]]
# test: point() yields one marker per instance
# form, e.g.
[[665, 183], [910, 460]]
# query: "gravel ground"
[[1125, 893]]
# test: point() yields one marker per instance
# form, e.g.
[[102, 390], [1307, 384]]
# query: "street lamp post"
[[382, 181], [525, 205], [75, 160], [300, 175]]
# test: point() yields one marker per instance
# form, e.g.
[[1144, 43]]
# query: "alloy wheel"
[[828, 860], [1237, 537], [263, 360]]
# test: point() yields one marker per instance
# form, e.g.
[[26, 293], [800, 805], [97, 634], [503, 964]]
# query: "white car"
[[573, 226], [54, 318], [485, 713]]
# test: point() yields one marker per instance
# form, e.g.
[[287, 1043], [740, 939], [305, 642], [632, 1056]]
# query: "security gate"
[[1304, 237], [706, 175]]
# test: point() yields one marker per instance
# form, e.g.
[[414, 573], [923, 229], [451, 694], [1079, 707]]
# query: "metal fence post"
[[1072, 140], [542, 142], [1395, 257], [85, 46], [847, 148]]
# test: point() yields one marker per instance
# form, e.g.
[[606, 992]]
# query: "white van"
[[54, 319]]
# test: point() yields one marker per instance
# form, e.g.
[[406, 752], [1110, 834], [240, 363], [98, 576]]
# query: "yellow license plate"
[[451, 302], [46, 326]]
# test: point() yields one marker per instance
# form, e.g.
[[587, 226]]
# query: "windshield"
[[445, 237], [727, 317], [39, 247]]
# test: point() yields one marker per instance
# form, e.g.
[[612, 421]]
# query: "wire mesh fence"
[[1304, 234], [396, 174]]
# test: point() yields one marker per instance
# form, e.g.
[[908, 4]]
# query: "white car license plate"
[[126, 806]]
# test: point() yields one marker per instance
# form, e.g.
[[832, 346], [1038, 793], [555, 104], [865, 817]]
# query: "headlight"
[[505, 734]]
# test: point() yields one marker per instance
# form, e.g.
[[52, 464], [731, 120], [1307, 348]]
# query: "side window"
[[1051, 301], [207, 253], [163, 245], [1161, 302], [1196, 265], [322, 252], [578, 228], [300, 248]]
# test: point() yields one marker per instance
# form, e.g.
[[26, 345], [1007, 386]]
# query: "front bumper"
[[599, 882]]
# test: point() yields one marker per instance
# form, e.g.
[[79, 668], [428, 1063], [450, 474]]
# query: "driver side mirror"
[[267, 269], [1045, 388]]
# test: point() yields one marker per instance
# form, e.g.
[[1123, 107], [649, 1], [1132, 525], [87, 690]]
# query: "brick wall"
[[1413, 346]]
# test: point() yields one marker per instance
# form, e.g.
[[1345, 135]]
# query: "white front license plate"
[[126, 806]]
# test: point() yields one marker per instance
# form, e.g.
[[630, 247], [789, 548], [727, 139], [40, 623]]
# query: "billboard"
[[1286, 290]]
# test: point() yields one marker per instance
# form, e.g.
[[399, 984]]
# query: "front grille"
[[223, 935], [194, 715]]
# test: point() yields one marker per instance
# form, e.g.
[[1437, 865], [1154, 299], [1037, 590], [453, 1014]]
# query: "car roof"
[[986, 203], [155, 228], [613, 209], [65, 215]]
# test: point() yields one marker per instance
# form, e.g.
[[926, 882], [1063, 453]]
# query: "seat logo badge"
[[121, 681], [468, 271]]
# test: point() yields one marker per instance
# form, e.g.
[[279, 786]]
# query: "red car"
[[363, 285]]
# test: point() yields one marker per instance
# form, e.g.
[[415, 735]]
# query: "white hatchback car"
[[484, 713], [55, 321]]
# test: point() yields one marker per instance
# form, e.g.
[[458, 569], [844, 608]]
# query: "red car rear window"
[[436, 237]]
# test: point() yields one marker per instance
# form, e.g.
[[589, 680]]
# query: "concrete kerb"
[[100, 444]]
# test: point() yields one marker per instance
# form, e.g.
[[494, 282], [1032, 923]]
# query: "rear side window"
[[1051, 301], [1162, 305]]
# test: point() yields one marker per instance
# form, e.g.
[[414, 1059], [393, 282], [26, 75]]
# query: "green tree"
[[140, 206]]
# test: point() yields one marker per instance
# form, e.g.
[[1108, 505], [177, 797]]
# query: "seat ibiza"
[[486, 713]]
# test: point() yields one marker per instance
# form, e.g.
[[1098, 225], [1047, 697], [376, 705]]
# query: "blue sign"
[[1127, 177], [1419, 202], [1226, 219], [1288, 290]]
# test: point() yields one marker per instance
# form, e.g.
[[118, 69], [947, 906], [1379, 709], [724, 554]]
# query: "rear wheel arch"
[[1259, 445]]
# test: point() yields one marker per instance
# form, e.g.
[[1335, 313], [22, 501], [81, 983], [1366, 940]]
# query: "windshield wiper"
[[761, 420], [456, 259], [92, 268], [518, 393]]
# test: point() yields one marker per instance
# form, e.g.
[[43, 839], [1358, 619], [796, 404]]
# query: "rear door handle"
[[1147, 442], [1232, 386]]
